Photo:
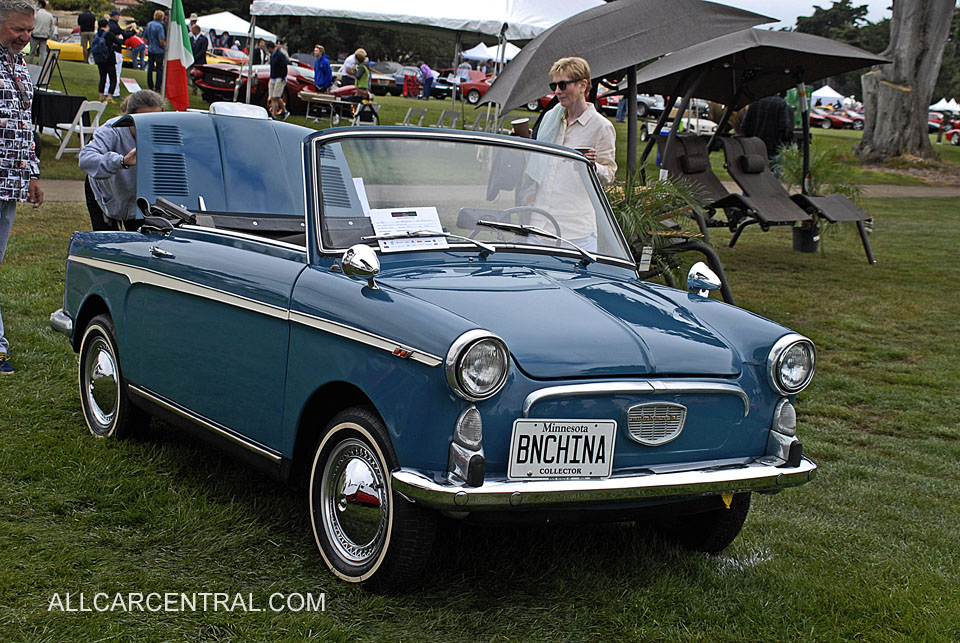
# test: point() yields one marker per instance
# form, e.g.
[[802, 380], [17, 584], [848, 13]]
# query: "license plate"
[[561, 449]]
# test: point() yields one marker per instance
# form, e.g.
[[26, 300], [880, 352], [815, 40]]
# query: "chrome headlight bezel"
[[775, 360], [454, 362]]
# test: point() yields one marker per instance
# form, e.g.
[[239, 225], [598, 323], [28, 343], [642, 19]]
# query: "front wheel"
[[858, 125], [107, 409], [364, 531], [473, 96], [826, 123], [955, 139], [711, 531], [642, 109], [534, 105]]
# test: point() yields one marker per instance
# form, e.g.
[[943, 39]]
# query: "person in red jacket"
[[137, 47]]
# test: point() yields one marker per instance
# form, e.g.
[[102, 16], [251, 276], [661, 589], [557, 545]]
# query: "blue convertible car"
[[416, 322]]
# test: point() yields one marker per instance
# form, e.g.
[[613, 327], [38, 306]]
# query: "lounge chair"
[[834, 208]]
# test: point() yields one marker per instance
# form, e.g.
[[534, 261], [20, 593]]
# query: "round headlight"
[[791, 362], [477, 365]]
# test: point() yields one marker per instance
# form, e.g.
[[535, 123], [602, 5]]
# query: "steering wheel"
[[520, 209]]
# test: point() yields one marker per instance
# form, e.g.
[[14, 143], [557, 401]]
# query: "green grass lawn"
[[82, 79], [867, 551]]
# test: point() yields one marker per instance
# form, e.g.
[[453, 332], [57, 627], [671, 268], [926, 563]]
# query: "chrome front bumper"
[[61, 322], [504, 494]]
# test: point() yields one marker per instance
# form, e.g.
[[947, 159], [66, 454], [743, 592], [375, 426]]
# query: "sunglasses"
[[562, 84]]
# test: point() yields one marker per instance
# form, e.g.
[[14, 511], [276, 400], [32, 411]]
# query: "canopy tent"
[[827, 95], [483, 52], [614, 38], [742, 67], [513, 19], [953, 105], [232, 24], [939, 106]]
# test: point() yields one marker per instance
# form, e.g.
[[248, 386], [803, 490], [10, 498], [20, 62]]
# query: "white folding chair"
[[95, 110]]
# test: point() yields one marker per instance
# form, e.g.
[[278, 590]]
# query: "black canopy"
[[745, 66], [613, 37]]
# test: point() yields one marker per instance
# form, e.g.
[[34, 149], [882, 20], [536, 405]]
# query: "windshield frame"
[[315, 141]]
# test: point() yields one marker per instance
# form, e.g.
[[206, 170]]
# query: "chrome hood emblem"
[[656, 423]]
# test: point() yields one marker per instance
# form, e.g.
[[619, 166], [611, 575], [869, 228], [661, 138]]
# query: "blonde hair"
[[574, 66], [158, 15], [360, 51]]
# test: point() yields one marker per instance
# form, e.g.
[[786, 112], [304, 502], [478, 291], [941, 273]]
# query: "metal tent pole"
[[631, 123], [253, 24]]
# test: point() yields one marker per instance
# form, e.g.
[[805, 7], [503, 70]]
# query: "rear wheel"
[[107, 409], [364, 531], [857, 124], [711, 531], [642, 109], [534, 105], [473, 96]]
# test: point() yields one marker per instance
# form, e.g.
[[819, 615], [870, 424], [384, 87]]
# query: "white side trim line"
[[154, 278]]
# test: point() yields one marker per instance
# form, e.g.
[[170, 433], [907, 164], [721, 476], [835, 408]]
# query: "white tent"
[[953, 105], [232, 24], [939, 106], [483, 52], [517, 19], [826, 95]]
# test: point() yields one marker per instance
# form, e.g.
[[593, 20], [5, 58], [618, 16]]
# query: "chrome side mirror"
[[361, 261], [702, 279]]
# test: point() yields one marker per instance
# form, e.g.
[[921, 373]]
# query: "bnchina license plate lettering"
[[561, 449]]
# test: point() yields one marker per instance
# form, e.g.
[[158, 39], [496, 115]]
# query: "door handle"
[[157, 252]]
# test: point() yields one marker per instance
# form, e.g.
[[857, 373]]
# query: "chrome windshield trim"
[[499, 493], [641, 387], [153, 278], [364, 337], [219, 429]]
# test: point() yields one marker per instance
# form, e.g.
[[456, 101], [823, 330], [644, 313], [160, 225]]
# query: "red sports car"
[[953, 136], [474, 90], [216, 81], [827, 120]]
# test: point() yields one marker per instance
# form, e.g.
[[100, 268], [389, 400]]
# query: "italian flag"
[[179, 57]]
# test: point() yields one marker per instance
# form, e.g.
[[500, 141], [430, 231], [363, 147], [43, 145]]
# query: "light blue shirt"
[[153, 34]]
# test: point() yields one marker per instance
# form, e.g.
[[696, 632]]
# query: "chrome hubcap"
[[100, 383], [354, 501]]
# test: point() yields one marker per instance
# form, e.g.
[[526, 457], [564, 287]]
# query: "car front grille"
[[656, 423]]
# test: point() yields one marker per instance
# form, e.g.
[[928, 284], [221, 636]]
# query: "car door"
[[216, 328]]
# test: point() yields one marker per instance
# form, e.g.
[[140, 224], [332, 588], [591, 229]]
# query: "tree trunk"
[[896, 96]]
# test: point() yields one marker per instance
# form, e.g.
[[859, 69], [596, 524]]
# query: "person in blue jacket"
[[322, 74]]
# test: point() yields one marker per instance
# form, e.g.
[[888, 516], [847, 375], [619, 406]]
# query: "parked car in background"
[[647, 104], [442, 88], [465, 358], [953, 135], [854, 116], [701, 126], [380, 84], [474, 90], [216, 82], [71, 50], [225, 55], [826, 119]]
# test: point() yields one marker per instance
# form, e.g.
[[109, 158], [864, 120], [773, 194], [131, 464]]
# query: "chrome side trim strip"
[[643, 387], [61, 322], [362, 336], [503, 494], [219, 429], [236, 234], [151, 277], [143, 275]]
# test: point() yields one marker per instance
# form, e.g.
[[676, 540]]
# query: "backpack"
[[100, 50]]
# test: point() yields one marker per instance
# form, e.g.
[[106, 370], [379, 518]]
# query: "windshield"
[[382, 186]]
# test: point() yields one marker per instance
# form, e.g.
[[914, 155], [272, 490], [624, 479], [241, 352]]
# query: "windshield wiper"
[[485, 249], [525, 230]]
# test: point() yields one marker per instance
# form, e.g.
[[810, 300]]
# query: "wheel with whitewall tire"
[[710, 531], [107, 408], [365, 532]]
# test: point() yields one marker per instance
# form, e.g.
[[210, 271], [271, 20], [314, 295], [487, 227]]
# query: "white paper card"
[[388, 221], [130, 84]]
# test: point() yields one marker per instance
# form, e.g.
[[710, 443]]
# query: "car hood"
[[562, 325]]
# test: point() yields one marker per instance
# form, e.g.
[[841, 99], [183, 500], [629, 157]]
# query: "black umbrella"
[[615, 37], [739, 68]]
